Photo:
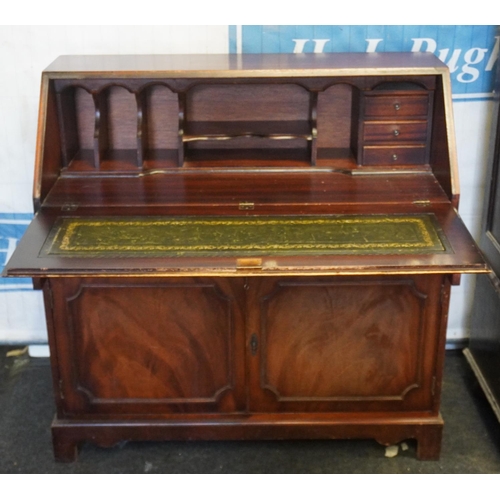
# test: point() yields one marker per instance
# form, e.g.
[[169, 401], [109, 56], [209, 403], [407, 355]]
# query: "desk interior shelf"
[[129, 126]]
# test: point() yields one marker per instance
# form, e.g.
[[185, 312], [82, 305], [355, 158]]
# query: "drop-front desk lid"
[[427, 240], [132, 177]]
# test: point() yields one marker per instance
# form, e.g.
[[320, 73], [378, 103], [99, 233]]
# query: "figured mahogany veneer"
[[204, 332]]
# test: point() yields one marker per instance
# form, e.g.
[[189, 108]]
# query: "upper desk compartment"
[[360, 146], [343, 114]]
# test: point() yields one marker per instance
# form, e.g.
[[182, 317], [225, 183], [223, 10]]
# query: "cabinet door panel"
[[150, 346], [344, 344]]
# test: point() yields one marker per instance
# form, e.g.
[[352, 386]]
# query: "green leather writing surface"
[[251, 235]]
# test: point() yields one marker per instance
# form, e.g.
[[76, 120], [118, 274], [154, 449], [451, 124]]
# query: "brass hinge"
[[444, 294], [422, 202], [69, 207], [246, 205], [51, 298]]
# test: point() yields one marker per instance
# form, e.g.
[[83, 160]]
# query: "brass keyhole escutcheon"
[[254, 343]]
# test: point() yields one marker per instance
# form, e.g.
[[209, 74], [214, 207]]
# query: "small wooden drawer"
[[395, 131], [394, 105], [394, 155]]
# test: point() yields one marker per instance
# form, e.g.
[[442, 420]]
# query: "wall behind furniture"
[[470, 52]]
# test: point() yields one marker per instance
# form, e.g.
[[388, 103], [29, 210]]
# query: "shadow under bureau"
[[246, 247]]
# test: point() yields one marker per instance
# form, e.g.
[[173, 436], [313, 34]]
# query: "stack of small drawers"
[[395, 128]]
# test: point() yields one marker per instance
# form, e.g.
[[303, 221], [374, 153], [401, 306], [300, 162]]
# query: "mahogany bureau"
[[246, 246]]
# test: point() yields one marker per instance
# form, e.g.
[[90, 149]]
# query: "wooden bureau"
[[246, 246]]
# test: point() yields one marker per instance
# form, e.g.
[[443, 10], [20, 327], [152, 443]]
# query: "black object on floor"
[[471, 441]]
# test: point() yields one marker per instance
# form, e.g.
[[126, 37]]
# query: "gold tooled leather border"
[[64, 239]]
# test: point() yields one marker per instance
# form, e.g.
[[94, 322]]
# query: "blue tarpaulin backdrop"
[[469, 51]]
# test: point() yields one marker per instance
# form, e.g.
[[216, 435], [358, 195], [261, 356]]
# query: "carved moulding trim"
[[93, 400]]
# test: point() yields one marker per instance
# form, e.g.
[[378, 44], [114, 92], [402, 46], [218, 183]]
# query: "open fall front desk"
[[246, 247]]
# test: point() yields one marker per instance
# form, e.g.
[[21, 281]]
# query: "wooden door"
[[148, 346], [346, 344], [484, 348]]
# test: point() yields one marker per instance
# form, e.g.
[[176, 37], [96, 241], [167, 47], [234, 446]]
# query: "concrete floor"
[[471, 441]]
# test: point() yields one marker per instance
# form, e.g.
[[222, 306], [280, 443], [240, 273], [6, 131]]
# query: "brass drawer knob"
[[394, 157], [396, 133], [397, 106]]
